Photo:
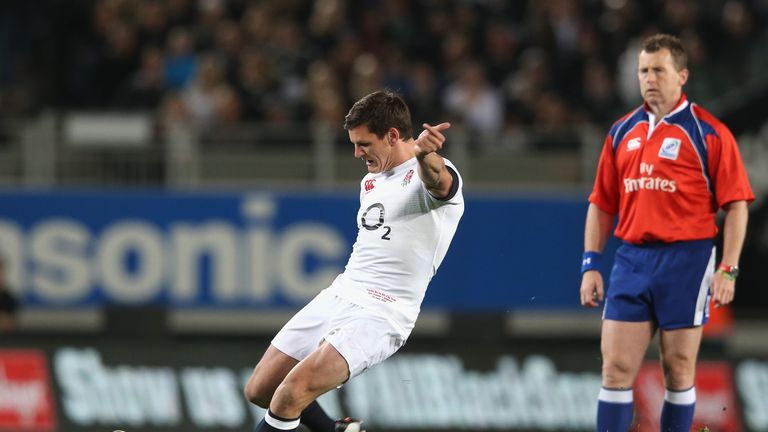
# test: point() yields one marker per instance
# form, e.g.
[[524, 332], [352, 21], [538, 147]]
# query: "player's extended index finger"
[[437, 128]]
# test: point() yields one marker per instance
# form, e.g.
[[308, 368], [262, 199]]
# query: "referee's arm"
[[597, 229]]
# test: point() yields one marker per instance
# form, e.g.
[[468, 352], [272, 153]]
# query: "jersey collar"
[[681, 105], [399, 168]]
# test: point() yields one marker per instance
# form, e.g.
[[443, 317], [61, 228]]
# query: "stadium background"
[[176, 183]]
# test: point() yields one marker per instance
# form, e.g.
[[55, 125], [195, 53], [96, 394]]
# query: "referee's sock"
[[677, 413], [615, 408], [273, 423], [316, 419]]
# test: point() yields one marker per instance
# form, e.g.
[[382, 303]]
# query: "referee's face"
[[661, 84], [375, 152]]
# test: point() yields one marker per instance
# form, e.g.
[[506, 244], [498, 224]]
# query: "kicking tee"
[[403, 235]]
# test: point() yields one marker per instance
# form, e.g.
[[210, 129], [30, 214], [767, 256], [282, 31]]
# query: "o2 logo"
[[379, 222]]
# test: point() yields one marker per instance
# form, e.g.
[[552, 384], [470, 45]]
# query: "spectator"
[[703, 85], [229, 45], [524, 86], [569, 47], [199, 96], [366, 76], [227, 109], [501, 51], [424, 94], [257, 24], [180, 62], [256, 82], [599, 97], [210, 15], [320, 78], [115, 62], [145, 89], [152, 23], [738, 36], [476, 103]]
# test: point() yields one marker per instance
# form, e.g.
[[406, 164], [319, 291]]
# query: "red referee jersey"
[[668, 177]]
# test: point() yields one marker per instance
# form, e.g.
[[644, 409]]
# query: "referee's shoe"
[[348, 424]]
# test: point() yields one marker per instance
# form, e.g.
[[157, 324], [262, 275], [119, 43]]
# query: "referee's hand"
[[591, 288], [723, 289]]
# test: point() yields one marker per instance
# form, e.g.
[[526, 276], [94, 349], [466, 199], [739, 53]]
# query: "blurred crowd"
[[494, 65]]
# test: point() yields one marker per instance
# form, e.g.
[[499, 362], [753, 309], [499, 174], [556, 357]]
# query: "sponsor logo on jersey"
[[369, 184], [649, 183], [633, 144], [407, 178], [669, 148]]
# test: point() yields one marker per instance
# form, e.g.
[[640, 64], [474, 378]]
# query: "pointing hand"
[[430, 140]]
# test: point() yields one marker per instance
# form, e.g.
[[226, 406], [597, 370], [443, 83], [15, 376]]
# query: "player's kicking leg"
[[320, 372], [267, 376]]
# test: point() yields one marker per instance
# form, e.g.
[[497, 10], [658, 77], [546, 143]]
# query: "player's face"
[[374, 151], [661, 83]]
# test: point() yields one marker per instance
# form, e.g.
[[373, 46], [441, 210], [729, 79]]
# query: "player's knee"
[[293, 393], [679, 371], [678, 361], [257, 394]]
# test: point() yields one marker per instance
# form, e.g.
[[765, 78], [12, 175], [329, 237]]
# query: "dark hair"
[[672, 43], [381, 110]]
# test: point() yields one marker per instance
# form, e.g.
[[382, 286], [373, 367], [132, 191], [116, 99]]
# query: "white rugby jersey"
[[403, 236]]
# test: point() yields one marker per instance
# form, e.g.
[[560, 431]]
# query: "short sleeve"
[[605, 193], [729, 176]]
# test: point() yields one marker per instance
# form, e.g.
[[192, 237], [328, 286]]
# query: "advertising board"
[[250, 249]]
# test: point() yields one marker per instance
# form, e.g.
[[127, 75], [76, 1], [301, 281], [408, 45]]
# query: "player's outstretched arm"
[[432, 171]]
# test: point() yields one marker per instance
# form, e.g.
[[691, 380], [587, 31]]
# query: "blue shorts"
[[666, 283]]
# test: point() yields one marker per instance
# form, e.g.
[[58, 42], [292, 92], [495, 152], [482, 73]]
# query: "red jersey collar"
[[682, 103]]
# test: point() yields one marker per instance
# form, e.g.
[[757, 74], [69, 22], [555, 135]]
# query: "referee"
[[665, 170]]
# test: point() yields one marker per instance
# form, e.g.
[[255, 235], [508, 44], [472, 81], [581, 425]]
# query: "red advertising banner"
[[26, 399], [716, 403]]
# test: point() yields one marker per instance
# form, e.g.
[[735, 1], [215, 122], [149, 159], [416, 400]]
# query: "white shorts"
[[361, 336]]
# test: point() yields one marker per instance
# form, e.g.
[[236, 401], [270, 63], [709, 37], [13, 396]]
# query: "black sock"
[[315, 418], [264, 427]]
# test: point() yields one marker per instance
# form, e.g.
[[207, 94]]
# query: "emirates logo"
[[369, 184]]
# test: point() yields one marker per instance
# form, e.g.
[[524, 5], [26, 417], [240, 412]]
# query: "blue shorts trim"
[[666, 283]]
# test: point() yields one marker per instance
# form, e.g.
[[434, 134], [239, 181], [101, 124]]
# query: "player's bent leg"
[[679, 349], [623, 346], [267, 376], [273, 367], [323, 370]]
